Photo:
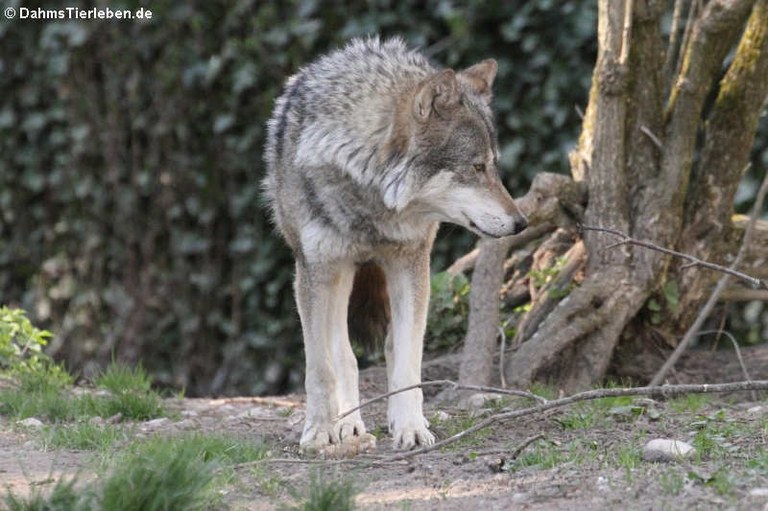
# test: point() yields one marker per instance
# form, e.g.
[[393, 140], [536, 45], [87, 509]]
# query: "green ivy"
[[131, 214], [448, 311]]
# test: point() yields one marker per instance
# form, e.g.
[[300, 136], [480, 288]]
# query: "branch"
[[453, 384], [674, 34], [666, 391], [695, 261], [737, 349], [721, 284]]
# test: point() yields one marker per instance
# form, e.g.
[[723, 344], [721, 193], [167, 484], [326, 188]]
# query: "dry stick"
[[663, 390], [674, 34], [692, 13], [502, 377], [710, 304], [456, 386], [626, 33], [525, 443], [694, 261], [648, 133], [737, 349]]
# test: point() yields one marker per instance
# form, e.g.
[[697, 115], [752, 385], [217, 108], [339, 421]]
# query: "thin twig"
[[579, 112], [626, 33], [456, 386], [692, 13], [710, 304], [663, 390], [674, 35], [502, 377], [525, 443], [694, 261], [651, 135], [737, 349]]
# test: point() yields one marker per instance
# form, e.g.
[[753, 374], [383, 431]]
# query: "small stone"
[[758, 492], [189, 413], [155, 423], [664, 449], [442, 416], [521, 497], [757, 410], [30, 422]]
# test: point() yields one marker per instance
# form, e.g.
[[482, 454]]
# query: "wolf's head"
[[445, 136]]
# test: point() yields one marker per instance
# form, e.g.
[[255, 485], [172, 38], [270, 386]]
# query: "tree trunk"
[[636, 155]]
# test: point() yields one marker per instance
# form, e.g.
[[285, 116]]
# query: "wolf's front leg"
[[322, 292], [408, 284]]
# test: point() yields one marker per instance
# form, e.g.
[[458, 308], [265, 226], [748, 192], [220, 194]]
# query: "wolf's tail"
[[369, 312]]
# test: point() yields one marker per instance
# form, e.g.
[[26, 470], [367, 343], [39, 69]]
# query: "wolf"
[[368, 149]]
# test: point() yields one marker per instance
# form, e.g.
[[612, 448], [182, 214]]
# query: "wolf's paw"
[[325, 442], [342, 439], [412, 434], [347, 428], [316, 438]]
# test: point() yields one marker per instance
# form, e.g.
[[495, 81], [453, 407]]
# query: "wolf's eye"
[[479, 167]]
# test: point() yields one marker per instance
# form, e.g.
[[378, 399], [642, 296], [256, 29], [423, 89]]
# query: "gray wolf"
[[368, 149]]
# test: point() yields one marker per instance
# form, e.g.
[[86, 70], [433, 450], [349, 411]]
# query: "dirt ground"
[[589, 465]]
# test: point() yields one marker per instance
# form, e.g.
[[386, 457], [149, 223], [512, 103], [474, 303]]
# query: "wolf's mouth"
[[473, 226]]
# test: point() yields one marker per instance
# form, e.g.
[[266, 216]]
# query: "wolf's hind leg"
[[322, 291]]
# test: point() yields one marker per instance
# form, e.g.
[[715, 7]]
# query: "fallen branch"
[[666, 391], [451, 383]]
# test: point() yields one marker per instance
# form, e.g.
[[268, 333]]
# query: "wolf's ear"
[[437, 93], [480, 77]]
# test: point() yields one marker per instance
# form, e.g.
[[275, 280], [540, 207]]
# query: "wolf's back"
[[339, 106]]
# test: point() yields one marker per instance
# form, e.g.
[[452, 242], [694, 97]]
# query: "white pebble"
[[664, 449], [31, 422]]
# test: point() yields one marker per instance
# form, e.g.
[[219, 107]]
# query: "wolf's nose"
[[519, 225]]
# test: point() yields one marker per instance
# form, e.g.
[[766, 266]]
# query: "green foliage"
[[667, 302], [21, 343], [448, 311], [542, 277], [131, 216]]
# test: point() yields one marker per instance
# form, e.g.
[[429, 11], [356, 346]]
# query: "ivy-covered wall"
[[131, 220]]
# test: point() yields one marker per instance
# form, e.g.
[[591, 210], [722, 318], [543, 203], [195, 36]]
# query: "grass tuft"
[[47, 396], [160, 475], [325, 494], [83, 436]]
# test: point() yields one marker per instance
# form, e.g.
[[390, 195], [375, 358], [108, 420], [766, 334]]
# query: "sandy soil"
[[477, 474]]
